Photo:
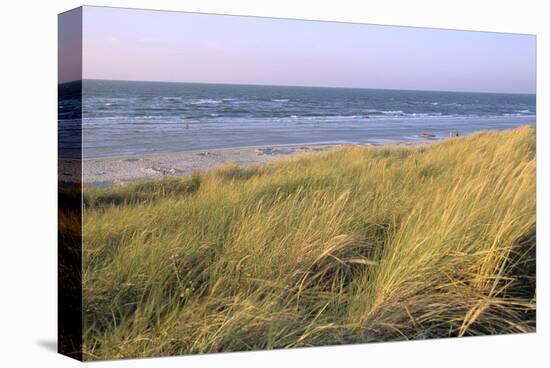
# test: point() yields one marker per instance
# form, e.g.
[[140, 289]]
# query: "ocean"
[[122, 118]]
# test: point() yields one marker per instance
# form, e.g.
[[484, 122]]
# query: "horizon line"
[[298, 86]]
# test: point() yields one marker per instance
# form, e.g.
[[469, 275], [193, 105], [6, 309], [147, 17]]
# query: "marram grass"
[[353, 245]]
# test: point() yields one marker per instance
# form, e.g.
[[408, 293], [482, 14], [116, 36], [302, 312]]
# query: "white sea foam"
[[206, 101], [424, 114]]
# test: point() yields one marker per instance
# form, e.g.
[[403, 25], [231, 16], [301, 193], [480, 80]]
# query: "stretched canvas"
[[233, 183]]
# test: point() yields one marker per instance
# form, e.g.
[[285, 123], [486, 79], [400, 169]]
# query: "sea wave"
[[206, 101], [241, 115], [392, 112]]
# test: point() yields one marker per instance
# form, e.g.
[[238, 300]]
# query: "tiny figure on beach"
[[454, 133]]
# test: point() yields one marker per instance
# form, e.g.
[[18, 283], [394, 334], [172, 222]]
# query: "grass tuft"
[[352, 245]]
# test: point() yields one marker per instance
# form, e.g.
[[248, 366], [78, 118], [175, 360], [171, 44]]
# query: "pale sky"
[[127, 44], [69, 49]]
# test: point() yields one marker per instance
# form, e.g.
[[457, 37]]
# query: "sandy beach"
[[107, 171], [104, 172]]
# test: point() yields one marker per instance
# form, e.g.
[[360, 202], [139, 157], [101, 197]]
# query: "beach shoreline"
[[108, 171]]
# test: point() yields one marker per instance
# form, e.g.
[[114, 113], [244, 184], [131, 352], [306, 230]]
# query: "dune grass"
[[348, 246]]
